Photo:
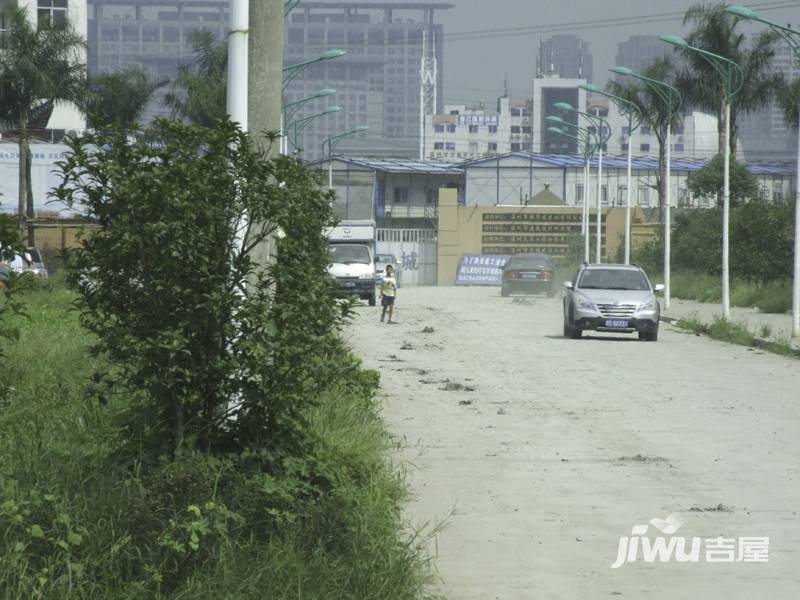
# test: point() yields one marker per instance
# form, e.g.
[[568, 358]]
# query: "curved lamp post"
[[792, 38], [585, 139], [291, 108], [290, 72], [673, 101], [332, 142], [599, 123], [634, 115], [300, 124], [732, 79]]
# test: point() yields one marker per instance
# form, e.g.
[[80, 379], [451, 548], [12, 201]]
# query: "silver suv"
[[616, 298]]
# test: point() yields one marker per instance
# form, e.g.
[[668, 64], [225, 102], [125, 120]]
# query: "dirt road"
[[542, 452]]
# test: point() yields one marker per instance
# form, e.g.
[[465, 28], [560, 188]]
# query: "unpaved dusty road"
[[564, 446]]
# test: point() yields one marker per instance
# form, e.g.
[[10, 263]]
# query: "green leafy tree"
[[708, 181], [788, 98], [222, 354], [200, 88], [38, 65], [118, 98], [715, 30], [654, 112]]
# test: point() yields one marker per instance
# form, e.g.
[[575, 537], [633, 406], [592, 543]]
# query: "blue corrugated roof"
[[400, 165]]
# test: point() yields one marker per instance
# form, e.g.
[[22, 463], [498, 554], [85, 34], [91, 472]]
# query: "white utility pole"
[[238, 62]]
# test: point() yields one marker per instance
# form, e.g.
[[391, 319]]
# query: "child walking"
[[388, 293]]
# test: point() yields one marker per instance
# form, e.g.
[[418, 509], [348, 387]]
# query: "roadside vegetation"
[[180, 421], [736, 333], [761, 255]]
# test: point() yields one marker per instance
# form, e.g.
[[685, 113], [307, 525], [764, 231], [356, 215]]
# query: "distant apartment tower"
[[547, 92], [463, 133], [640, 51], [567, 56], [765, 135], [377, 82]]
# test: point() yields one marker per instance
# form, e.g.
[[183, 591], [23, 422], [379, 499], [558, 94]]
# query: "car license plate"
[[530, 276], [617, 323]]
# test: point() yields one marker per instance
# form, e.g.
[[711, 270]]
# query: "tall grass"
[[768, 297], [77, 523]]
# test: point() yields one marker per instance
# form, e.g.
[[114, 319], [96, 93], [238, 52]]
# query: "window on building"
[[400, 195], [644, 195], [579, 194], [492, 128], [683, 197], [626, 130], [438, 145], [625, 147], [431, 196], [515, 147], [451, 129], [644, 148], [527, 146], [449, 145], [453, 112], [604, 195], [678, 130], [515, 129], [52, 12], [492, 147], [515, 112], [777, 194], [525, 112], [375, 37], [622, 195], [473, 129], [438, 128], [646, 130], [677, 147], [473, 147], [355, 37], [527, 129]]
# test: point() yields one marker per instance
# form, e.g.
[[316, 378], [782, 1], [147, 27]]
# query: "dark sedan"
[[529, 274]]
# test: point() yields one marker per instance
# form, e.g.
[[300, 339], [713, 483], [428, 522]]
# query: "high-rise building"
[[640, 51], [377, 81], [547, 92], [764, 134], [567, 56]]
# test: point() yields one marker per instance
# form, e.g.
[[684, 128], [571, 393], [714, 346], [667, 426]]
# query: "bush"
[[223, 353]]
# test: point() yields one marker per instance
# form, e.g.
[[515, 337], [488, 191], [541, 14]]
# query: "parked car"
[[381, 261], [616, 298], [37, 264], [529, 274]]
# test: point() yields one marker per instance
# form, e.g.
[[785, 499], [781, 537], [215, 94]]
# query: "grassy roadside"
[[774, 297], [736, 333], [78, 523]]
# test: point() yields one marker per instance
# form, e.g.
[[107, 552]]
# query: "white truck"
[[352, 248]]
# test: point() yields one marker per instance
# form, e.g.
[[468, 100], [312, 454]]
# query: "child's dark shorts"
[[387, 301]]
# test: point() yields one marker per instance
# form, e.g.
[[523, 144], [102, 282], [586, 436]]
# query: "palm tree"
[[38, 67], [715, 31], [788, 98], [200, 88], [118, 98], [654, 113]]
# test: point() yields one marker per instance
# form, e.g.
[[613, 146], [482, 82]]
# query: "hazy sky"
[[474, 68]]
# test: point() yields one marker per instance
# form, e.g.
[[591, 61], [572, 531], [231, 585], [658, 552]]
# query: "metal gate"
[[415, 251]]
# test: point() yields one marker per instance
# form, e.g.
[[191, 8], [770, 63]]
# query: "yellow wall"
[[474, 230]]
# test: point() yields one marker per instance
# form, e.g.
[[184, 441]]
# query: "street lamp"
[[599, 123], [634, 114], [300, 124], [290, 72], [792, 38], [733, 79], [584, 137], [332, 142], [673, 101], [291, 108]]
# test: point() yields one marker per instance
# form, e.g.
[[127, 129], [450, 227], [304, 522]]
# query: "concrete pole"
[[667, 220], [585, 216], [599, 240], [796, 274], [237, 62], [265, 66], [726, 217], [628, 197], [265, 89]]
